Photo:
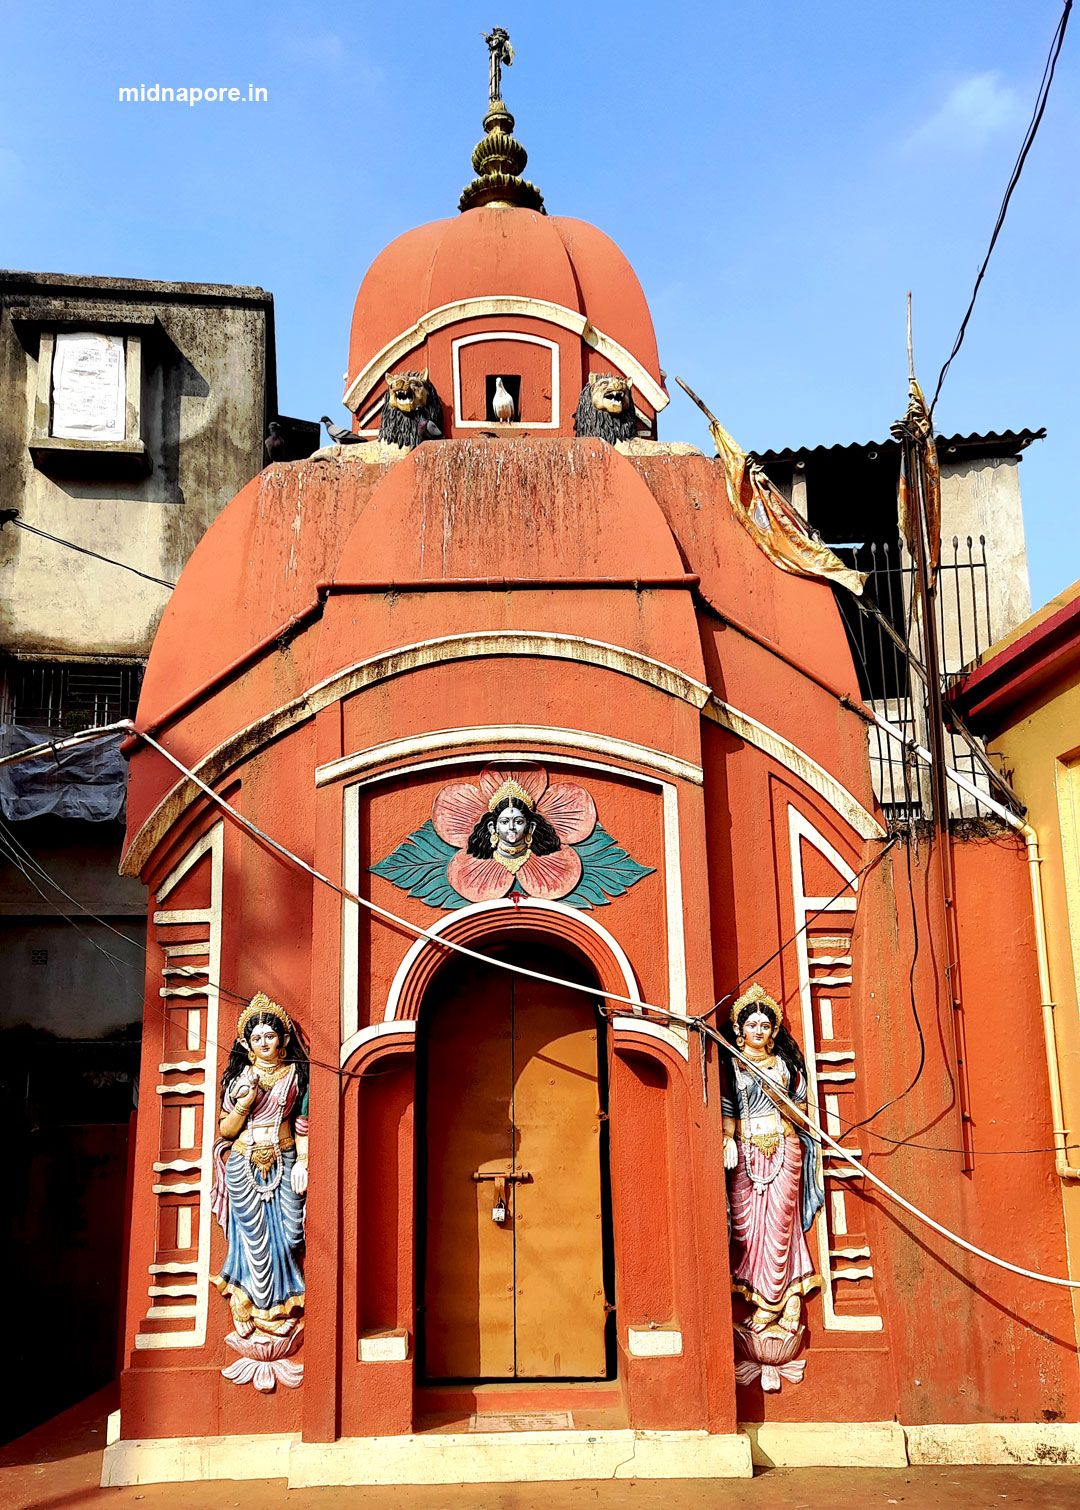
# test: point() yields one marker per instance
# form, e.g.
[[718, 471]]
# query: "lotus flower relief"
[[510, 825]]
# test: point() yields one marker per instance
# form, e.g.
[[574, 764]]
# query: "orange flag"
[[920, 427], [772, 523]]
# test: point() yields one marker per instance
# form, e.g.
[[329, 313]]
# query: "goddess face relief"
[[510, 832], [266, 1044], [758, 1031]]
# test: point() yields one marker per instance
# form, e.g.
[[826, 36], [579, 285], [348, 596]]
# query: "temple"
[[484, 755]]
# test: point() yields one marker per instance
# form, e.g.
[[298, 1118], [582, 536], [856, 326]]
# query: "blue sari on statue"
[[263, 1217]]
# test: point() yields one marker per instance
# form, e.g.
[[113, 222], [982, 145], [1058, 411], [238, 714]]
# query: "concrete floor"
[[58, 1467]]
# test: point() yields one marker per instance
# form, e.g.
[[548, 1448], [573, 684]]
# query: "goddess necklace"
[[268, 1078]]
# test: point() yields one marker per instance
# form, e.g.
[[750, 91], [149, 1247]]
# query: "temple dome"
[[510, 268]]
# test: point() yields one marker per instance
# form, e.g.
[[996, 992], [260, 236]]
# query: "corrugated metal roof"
[[1005, 442]]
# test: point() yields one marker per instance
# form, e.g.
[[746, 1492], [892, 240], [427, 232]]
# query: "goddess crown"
[[757, 995], [261, 1003], [510, 788]]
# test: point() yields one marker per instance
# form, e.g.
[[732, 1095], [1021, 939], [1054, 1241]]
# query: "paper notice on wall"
[[88, 388]]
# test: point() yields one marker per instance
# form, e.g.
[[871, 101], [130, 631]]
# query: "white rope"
[[820, 1133], [391, 917], [697, 1024]]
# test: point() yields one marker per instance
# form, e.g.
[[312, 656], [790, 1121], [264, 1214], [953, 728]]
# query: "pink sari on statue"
[[767, 1206]]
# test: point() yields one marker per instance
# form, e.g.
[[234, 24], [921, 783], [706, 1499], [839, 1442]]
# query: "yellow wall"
[[1041, 747]]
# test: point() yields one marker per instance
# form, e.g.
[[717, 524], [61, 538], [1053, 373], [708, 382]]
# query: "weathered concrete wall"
[[207, 392], [981, 496], [72, 984], [80, 857]]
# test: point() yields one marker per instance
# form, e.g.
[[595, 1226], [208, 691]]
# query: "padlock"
[[498, 1212]]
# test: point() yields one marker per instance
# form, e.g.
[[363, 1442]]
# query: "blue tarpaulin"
[[88, 781]]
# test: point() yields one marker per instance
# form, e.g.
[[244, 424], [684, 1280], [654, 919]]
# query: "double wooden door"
[[514, 1229]]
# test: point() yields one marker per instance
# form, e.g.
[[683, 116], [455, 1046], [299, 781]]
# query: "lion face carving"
[[408, 391], [606, 408], [412, 411]]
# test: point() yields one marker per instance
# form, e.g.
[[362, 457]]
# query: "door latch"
[[502, 1179]]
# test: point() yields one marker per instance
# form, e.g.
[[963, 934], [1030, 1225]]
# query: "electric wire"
[[810, 918], [690, 1023], [774, 1090], [84, 550], [7, 835], [909, 842], [242, 998], [1014, 178], [113, 958]]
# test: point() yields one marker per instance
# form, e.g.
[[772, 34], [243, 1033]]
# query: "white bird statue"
[[502, 403]]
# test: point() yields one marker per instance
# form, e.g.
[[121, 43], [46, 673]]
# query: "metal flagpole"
[[913, 441]]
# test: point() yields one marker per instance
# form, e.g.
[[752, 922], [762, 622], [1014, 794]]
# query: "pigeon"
[[503, 403], [339, 435], [275, 444], [427, 429]]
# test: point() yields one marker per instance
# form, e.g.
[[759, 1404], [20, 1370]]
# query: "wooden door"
[[513, 1097]]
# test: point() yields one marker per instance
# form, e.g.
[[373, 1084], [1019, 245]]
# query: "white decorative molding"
[[798, 763], [641, 1027], [404, 1027], [391, 663], [503, 304], [800, 828], [534, 904], [211, 843], [676, 924], [673, 897], [491, 736], [485, 337], [383, 1347], [654, 1342]]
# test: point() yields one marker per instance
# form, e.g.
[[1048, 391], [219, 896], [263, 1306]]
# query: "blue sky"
[[779, 175]]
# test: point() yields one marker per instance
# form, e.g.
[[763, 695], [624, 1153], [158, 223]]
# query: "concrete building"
[[130, 412], [849, 495]]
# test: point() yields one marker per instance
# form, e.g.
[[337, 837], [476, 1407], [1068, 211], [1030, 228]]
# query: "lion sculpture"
[[412, 411], [606, 408]]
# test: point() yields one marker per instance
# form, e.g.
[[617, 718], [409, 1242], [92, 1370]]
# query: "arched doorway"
[[514, 1230]]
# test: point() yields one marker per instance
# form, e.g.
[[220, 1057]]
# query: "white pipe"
[[51, 746], [1046, 1001], [961, 781]]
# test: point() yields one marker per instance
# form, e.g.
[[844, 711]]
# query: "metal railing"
[[62, 697], [965, 630]]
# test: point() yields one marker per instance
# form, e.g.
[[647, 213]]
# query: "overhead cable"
[[1014, 178], [690, 1023], [198, 971], [83, 550]]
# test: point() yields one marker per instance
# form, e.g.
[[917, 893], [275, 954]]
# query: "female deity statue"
[[260, 1182], [775, 1184]]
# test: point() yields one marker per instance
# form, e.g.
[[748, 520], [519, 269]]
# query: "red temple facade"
[[367, 652]]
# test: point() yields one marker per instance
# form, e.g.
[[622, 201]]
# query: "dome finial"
[[499, 158]]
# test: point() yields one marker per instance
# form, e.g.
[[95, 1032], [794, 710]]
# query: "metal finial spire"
[[500, 52], [499, 158]]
